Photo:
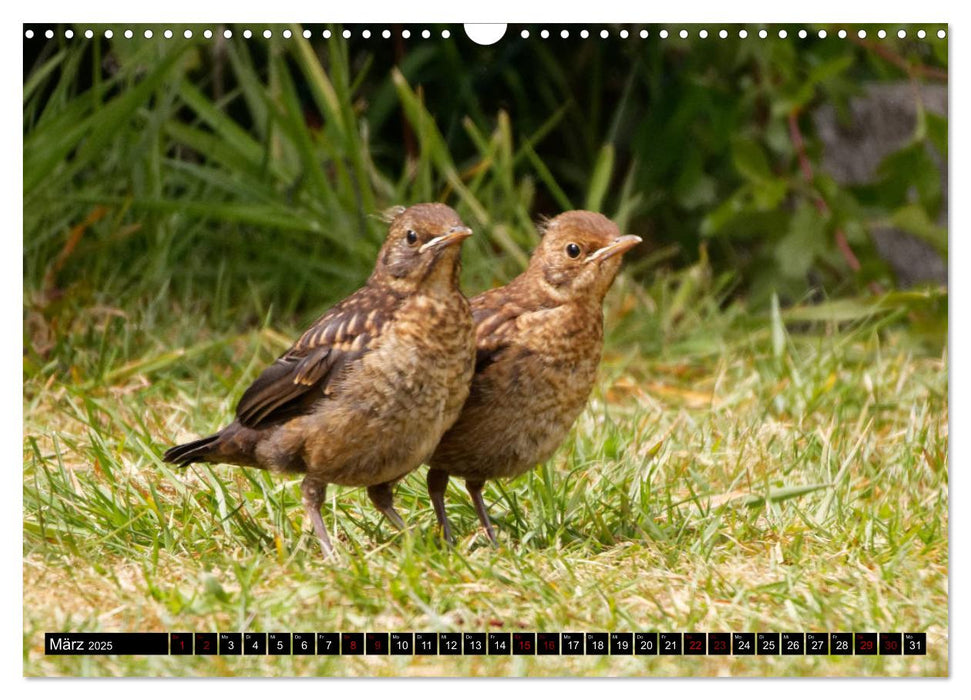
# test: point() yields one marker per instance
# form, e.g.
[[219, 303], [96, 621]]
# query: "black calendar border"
[[481, 643]]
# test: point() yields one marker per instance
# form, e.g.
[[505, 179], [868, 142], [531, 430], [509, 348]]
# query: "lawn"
[[732, 472]]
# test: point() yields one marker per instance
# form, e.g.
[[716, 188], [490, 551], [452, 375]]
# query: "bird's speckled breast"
[[522, 407]]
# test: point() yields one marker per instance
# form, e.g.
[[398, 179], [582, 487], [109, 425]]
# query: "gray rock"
[[882, 120]]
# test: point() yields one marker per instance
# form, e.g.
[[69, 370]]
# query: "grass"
[[739, 476], [736, 469]]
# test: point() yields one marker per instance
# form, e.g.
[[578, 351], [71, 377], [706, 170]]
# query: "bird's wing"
[[339, 337], [495, 314]]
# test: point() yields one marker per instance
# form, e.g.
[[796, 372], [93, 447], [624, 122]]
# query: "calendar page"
[[569, 350]]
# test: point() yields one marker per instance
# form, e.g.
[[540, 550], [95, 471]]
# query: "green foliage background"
[[222, 168]]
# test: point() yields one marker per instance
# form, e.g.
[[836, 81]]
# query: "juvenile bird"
[[538, 344], [365, 394]]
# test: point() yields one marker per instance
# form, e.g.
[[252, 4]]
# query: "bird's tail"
[[196, 451]]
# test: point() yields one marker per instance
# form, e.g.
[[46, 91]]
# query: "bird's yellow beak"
[[456, 234], [618, 246]]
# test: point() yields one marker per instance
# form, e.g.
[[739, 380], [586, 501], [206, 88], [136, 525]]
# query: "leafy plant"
[[272, 156]]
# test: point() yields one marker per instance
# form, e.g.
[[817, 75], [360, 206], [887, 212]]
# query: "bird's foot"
[[396, 520], [475, 491], [313, 498], [326, 548]]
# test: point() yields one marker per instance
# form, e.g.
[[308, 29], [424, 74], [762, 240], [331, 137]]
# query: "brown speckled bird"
[[538, 345], [365, 394]]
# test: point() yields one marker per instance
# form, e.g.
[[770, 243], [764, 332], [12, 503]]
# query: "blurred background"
[[241, 178]]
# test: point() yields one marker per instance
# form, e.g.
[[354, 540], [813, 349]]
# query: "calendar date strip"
[[485, 643]]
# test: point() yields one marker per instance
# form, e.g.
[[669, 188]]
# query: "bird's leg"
[[437, 482], [313, 498], [475, 490], [383, 499]]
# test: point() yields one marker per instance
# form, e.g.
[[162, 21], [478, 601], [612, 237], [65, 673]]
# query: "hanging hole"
[[485, 34]]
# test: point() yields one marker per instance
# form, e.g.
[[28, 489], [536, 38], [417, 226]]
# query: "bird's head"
[[422, 249], [579, 256]]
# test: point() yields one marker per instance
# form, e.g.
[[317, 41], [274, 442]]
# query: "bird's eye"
[[573, 250], [411, 237]]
